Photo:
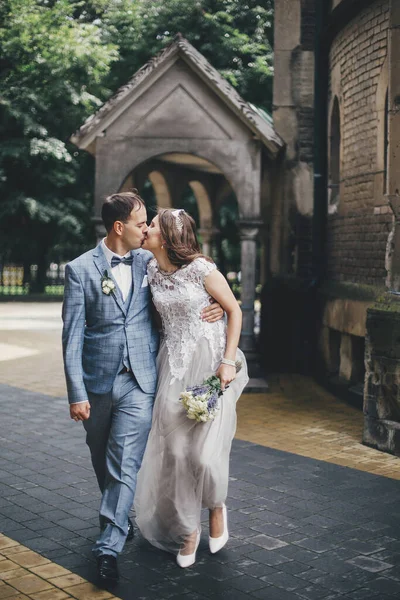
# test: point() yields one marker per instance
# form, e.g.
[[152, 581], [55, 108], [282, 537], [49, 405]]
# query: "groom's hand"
[[212, 313], [79, 412]]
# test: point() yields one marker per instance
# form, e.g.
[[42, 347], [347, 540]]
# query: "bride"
[[186, 463]]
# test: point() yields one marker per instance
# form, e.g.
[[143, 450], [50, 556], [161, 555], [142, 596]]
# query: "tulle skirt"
[[186, 464]]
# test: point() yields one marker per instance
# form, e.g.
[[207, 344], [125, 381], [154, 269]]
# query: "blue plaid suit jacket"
[[97, 327]]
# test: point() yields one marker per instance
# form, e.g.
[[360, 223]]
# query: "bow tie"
[[115, 261]]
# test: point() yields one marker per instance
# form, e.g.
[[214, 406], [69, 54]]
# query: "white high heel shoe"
[[217, 543], [187, 560]]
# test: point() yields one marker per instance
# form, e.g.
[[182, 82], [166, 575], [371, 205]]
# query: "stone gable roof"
[[248, 113]]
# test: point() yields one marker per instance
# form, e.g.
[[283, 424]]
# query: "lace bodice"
[[179, 298]]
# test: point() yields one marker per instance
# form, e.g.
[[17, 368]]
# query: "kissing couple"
[[124, 380]]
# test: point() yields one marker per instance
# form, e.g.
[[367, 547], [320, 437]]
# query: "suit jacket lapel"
[[102, 265]]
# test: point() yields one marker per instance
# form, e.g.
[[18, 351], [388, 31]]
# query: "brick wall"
[[358, 233]]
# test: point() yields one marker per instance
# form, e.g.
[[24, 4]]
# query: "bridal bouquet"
[[201, 401]]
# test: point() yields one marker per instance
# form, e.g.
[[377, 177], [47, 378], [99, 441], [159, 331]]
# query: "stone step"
[[257, 385]]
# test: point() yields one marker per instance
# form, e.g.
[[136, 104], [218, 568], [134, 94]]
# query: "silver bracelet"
[[226, 361]]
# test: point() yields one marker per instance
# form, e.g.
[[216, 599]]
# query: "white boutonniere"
[[107, 284]]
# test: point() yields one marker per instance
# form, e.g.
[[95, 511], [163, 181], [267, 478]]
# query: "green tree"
[[236, 36], [52, 68], [59, 61]]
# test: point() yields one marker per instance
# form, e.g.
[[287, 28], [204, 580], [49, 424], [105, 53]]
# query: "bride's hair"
[[179, 233]]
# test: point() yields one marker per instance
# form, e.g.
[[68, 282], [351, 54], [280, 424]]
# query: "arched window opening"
[[386, 144], [334, 155]]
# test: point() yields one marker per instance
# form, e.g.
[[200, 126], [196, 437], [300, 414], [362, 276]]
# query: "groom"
[[110, 345]]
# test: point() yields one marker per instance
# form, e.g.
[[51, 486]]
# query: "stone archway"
[[178, 104], [171, 177], [117, 158]]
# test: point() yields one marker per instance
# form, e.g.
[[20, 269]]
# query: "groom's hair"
[[118, 207]]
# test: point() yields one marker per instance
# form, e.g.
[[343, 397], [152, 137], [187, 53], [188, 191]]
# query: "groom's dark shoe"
[[130, 535], [107, 569]]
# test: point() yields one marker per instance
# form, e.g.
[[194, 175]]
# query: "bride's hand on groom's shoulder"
[[79, 411], [212, 313], [226, 374]]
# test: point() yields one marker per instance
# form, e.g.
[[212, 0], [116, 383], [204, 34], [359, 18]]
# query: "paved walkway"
[[301, 526]]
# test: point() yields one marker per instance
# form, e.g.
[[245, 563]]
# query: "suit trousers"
[[116, 434]]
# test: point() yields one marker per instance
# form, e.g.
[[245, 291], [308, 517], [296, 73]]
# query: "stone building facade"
[[336, 105]]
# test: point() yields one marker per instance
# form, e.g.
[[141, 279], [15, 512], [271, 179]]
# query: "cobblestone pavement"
[[301, 527], [300, 416]]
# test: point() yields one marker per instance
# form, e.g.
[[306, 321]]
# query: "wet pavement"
[[302, 527]]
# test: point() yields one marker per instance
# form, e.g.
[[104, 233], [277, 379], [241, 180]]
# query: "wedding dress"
[[186, 463]]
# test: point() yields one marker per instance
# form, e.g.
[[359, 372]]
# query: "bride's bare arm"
[[217, 286]]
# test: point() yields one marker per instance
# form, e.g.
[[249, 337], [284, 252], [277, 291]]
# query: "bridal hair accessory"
[[201, 401], [178, 221]]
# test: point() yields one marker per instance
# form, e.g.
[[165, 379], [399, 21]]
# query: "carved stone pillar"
[[207, 236], [248, 240]]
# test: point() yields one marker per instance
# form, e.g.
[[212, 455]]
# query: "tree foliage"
[[234, 35], [59, 61], [52, 72]]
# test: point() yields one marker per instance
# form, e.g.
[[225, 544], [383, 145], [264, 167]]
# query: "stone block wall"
[[382, 389], [290, 238], [359, 225]]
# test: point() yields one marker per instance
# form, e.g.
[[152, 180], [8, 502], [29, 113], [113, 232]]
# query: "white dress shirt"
[[121, 273]]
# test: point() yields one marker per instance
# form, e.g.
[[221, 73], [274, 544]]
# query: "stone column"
[[248, 241], [207, 237]]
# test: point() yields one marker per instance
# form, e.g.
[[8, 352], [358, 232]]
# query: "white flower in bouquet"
[[201, 401]]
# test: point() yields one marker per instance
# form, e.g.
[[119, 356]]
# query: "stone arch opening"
[[386, 143], [203, 202], [152, 186], [334, 157], [382, 133], [189, 202], [190, 181], [161, 189], [227, 205]]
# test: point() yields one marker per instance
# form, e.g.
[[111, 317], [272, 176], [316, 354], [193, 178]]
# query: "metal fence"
[[15, 281]]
